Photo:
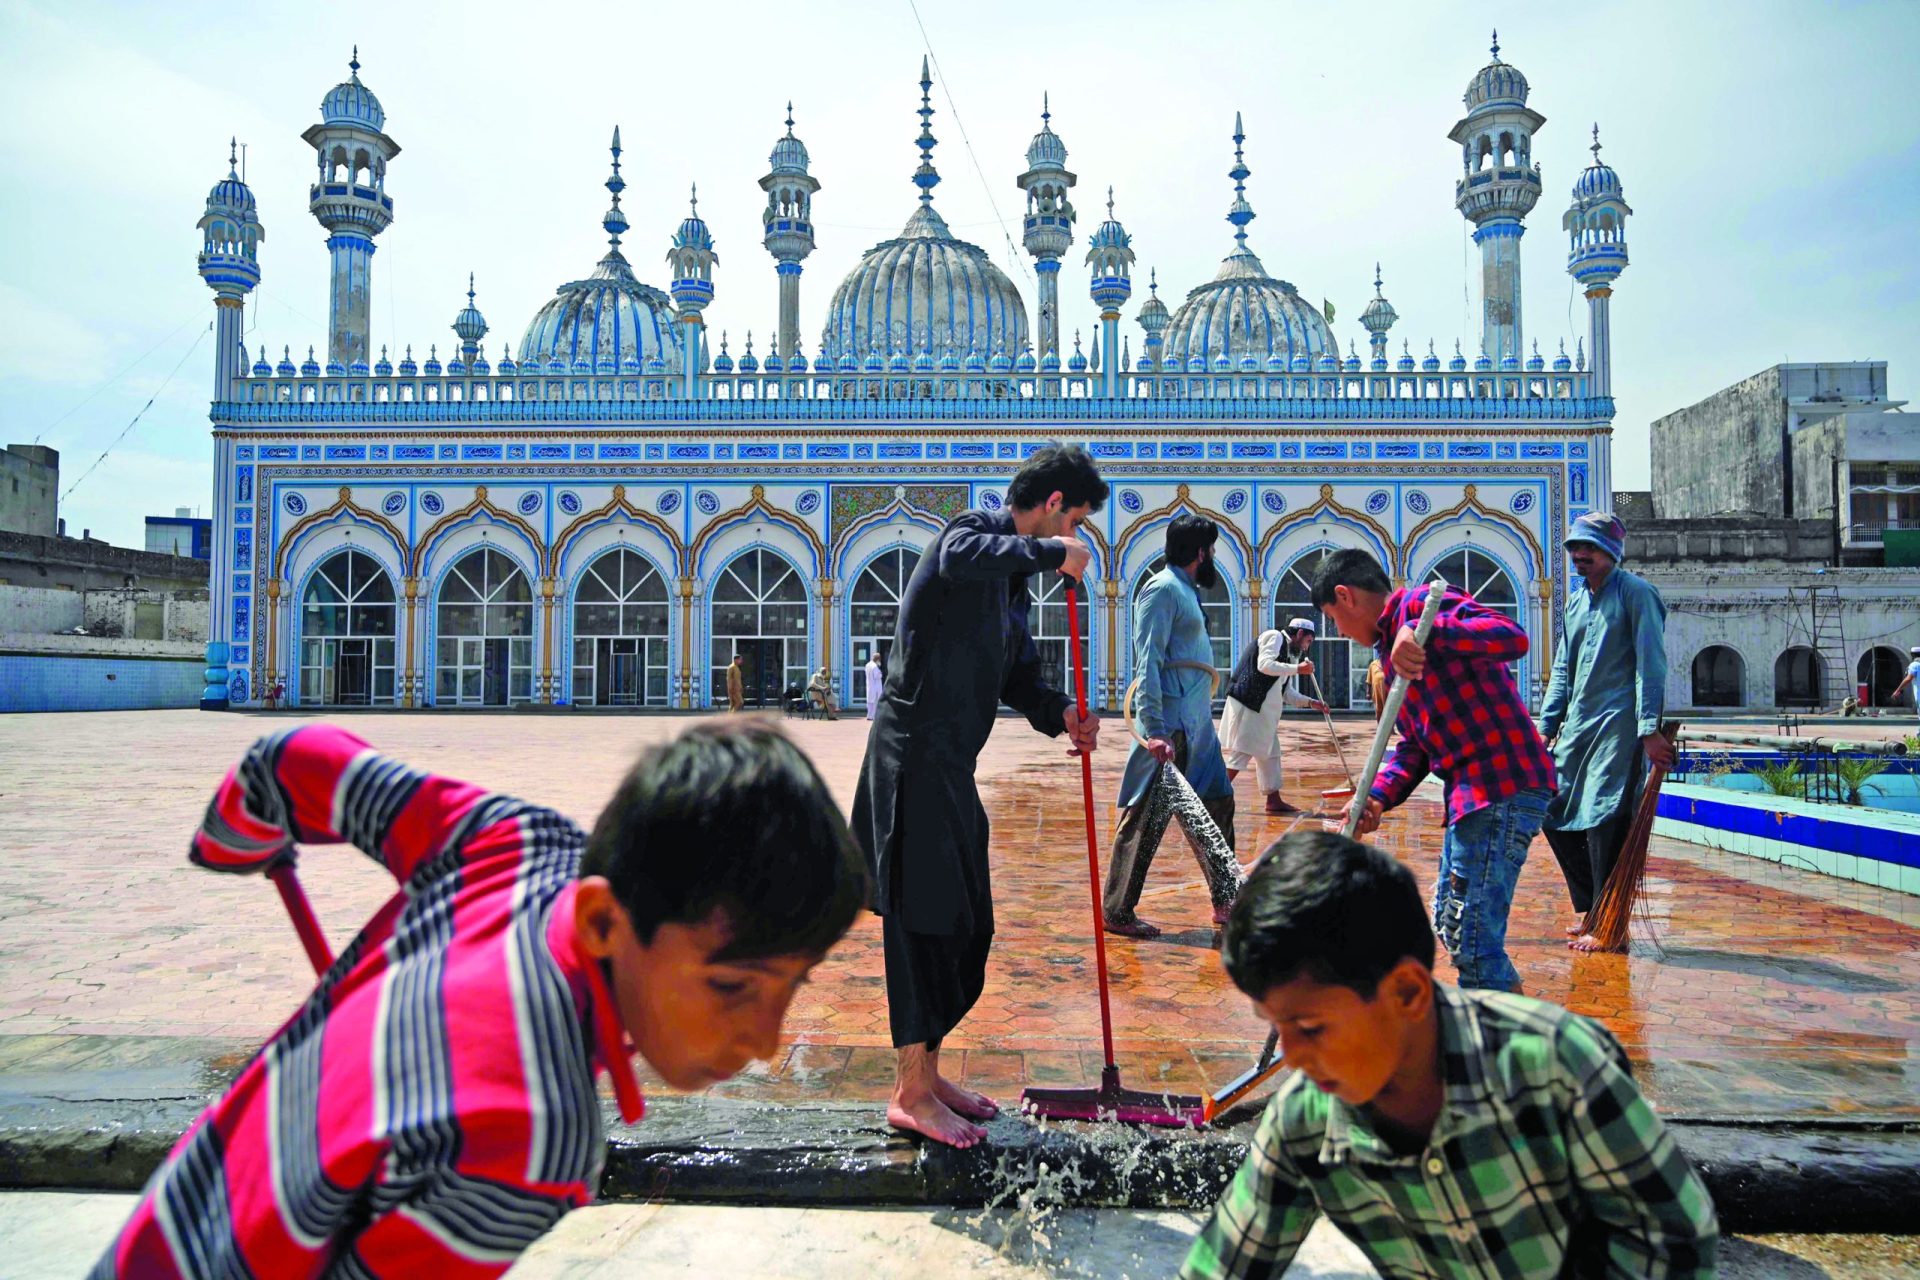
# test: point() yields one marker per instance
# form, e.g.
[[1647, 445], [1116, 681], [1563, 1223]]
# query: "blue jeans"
[[1479, 866]]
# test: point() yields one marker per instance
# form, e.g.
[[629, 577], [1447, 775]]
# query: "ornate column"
[[544, 693], [1256, 589], [687, 588], [828, 590], [1110, 693], [276, 587], [409, 695]]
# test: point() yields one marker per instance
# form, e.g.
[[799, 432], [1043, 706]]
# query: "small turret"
[[1110, 256], [230, 236], [349, 198], [1376, 320], [692, 258], [1596, 225], [1048, 225], [469, 326], [789, 226]]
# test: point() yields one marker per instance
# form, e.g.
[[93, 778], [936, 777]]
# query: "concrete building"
[[181, 534], [30, 490]]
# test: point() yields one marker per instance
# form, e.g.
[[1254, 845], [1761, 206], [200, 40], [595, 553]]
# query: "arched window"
[[347, 633], [1719, 678], [1339, 665], [1881, 669], [1796, 678], [1047, 623], [483, 654], [875, 613], [620, 633], [1216, 606], [1478, 574], [759, 612]]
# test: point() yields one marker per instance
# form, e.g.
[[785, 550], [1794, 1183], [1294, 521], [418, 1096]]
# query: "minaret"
[[1154, 319], [469, 326], [1376, 320], [1049, 222], [1111, 259], [230, 236], [350, 200], [692, 258], [789, 221], [1596, 225], [1497, 189], [926, 177]]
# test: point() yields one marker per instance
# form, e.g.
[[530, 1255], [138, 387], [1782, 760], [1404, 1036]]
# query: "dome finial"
[[353, 63], [1109, 203], [1596, 142], [233, 155], [1046, 109], [1240, 213], [693, 199], [615, 221], [926, 177], [1153, 281], [789, 117], [469, 288], [1376, 279], [1496, 44]]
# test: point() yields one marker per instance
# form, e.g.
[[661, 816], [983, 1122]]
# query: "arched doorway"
[[1719, 678], [1047, 624], [620, 633], [1339, 665], [874, 613], [1216, 606], [346, 633], [759, 612], [1881, 669], [1796, 678], [483, 650]]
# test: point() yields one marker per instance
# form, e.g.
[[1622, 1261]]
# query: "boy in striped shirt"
[[1446, 1132], [431, 1109]]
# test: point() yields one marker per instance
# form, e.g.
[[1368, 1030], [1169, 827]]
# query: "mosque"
[[615, 505]]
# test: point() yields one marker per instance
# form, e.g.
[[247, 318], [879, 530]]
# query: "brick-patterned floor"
[[1752, 989]]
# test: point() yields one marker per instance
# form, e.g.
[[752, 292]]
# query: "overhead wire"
[[129, 368], [136, 417]]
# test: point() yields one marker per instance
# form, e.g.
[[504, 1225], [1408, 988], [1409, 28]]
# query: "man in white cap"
[[1250, 724], [1911, 678]]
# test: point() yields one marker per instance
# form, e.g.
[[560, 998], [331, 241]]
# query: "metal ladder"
[[1828, 628]]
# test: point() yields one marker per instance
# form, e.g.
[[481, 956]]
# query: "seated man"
[[431, 1109], [820, 692], [1445, 1132]]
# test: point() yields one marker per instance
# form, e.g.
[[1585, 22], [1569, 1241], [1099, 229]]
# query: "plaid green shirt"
[[1543, 1139]]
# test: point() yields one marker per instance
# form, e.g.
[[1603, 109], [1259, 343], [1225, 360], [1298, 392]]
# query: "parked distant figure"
[[876, 685], [736, 683], [820, 693]]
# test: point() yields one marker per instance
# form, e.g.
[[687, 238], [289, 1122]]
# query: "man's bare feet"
[[1587, 942], [974, 1106], [931, 1118], [1578, 927], [1276, 803]]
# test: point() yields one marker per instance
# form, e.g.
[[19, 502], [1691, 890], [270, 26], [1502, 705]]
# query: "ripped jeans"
[[1479, 866]]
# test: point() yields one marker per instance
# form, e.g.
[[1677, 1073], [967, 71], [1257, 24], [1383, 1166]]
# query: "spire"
[[926, 177], [789, 117], [1109, 204], [1240, 213], [233, 154], [1596, 142], [1376, 279], [1046, 110], [693, 200], [353, 64], [1496, 44], [615, 221], [469, 289]]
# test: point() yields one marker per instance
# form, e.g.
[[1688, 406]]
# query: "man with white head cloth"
[[1250, 724]]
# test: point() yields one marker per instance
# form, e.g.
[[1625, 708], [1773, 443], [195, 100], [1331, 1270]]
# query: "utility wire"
[[136, 417], [1013, 254], [134, 363]]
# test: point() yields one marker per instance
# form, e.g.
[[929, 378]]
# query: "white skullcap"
[[1303, 624]]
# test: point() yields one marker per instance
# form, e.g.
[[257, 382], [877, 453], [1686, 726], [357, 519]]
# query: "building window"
[[484, 643], [620, 633], [347, 633], [1047, 623], [1216, 607], [760, 612], [1718, 677], [1339, 666], [1879, 672], [874, 612]]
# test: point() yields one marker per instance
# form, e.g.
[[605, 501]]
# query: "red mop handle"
[[1093, 844], [305, 923]]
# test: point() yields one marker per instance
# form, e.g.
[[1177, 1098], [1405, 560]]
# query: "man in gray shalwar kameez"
[[961, 648]]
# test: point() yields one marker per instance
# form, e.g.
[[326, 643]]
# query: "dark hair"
[[1321, 906], [731, 817], [1066, 468], [1187, 536], [1348, 567]]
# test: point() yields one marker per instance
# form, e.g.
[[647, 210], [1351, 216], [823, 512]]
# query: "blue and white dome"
[[1597, 181], [924, 290], [1497, 83], [352, 103], [789, 154]]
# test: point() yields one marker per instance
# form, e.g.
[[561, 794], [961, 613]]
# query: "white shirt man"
[[876, 685], [1250, 724]]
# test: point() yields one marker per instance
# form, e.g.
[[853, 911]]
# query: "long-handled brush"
[[305, 923], [1110, 1101], [1613, 909], [1266, 1065], [1333, 793]]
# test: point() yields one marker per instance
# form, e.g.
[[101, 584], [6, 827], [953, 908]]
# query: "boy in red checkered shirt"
[[1464, 719]]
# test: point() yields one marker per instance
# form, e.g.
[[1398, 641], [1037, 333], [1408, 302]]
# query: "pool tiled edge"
[[1870, 846]]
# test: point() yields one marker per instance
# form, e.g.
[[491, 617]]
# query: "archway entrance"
[[1718, 678], [760, 612], [1796, 678], [1339, 665], [347, 633], [874, 614], [483, 652], [1881, 669], [620, 633]]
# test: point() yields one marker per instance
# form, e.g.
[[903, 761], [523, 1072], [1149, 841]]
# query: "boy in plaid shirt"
[[1445, 1132], [1463, 719]]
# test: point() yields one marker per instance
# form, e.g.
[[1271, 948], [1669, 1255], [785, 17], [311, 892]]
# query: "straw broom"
[[1612, 911]]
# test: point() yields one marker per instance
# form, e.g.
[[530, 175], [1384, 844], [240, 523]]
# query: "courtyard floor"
[[1753, 990]]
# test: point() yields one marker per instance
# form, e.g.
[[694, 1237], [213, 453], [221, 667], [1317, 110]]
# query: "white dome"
[[924, 291], [1244, 312]]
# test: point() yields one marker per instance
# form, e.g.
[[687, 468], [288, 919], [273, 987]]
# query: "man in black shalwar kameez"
[[962, 647]]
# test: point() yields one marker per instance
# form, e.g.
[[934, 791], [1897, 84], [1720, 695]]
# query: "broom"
[[1266, 1065], [1110, 1101], [1613, 910], [1333, 793]]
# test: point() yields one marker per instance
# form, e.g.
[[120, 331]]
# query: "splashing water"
[[1172, 798]]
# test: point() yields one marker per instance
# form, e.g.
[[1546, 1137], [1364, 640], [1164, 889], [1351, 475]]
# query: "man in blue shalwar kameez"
[[1173, 661], [1603, 710]]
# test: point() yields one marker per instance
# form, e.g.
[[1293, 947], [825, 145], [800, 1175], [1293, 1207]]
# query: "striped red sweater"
[[430, 1110]]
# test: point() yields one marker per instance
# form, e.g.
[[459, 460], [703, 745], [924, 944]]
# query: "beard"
[[1206, 575]]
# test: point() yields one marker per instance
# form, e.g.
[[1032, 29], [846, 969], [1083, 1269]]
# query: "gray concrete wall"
[[1815, 446], [1715, 543], [40, 611], [29, 490], [1722, 456], [180, 617], [80, 564]]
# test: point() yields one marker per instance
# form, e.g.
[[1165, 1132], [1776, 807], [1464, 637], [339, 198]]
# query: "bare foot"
[[931, 1118], [974, 1106], [1275, 804], [1587, 942], [1578, 927]]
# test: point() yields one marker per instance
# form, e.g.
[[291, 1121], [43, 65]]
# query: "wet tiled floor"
[[1752, 989]]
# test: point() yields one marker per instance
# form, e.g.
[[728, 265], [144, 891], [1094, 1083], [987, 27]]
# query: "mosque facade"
[[604, 514]]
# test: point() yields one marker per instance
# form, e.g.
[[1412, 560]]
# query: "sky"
[[1771, 153]]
